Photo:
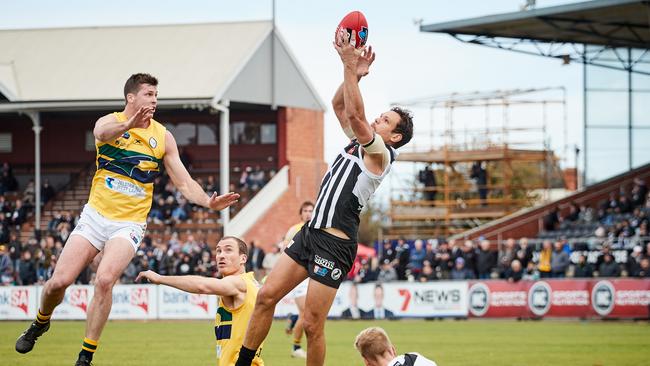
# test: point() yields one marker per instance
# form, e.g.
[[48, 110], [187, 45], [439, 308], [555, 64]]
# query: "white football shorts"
[[99, 229]]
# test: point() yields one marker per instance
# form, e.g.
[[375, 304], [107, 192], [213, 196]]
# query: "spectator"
[[515, 272], [506, 255], [15, 248], [47, 192], [8, 183], [559, 261], [6, 267], [403, 255], [270, 259], [460, 272], [443, 263], [416, 258], [583, 269], [574, 213], [26, 269], [386, 272], [486, 261], [428, 178], [468, 252], [544, 265], [29, 194], [639, 192], [19, 214], [479, 174], [524, 252], [531, 273], [428, 274], [387, 253], [368, 271], [609, 268], [255, 258], [634, 260], [552, 219], [644, 269]]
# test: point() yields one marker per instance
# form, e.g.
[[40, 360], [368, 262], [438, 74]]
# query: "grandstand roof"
[[214, 61], [614, 23]]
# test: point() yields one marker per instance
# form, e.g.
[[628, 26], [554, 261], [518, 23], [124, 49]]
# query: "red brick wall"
[[303, 137]]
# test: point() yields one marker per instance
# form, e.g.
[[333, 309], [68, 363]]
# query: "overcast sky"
[[409, 65]]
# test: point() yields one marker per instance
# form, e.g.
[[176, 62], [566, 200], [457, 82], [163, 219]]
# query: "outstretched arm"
[[108, 127], [228, 286], [366, 59], [354, 109], [188, 186]]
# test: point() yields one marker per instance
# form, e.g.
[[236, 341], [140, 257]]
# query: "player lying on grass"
[[236, 289], [377, 350]]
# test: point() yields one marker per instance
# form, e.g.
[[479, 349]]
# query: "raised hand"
[[225, 200], [348, 53], [141, 118], [366, 59]]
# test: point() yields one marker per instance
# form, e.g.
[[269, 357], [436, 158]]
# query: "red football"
[[356, 21]]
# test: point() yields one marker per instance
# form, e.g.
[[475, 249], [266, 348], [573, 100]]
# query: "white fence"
[[397, 299]]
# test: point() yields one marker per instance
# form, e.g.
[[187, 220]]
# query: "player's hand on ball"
[[151, 276], [225, 200], [348, 53]]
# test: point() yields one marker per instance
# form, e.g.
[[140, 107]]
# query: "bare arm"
[[188, 186], [108, 127], [228, 286]]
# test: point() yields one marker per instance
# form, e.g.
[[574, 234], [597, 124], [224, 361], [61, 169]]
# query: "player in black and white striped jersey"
[[324, 250], [376, 349]]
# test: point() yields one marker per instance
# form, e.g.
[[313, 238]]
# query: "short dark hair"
[[133, 83], [404, 127], [243, 248], [304, 205]]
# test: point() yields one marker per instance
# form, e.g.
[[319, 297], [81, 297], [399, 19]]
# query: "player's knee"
[[312, 326], [104, 283], [265, 299], [58, 283]]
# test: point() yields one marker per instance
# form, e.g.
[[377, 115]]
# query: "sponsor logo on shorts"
[[323, 262], [479, 295], [124, 187], [602, 297], [321, 271], [153, 143], [135, 237], [539, 298], [336, 274]]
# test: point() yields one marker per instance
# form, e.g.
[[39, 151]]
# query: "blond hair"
[[372, 343]]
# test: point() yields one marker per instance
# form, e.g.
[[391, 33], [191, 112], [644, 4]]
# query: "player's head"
[[395, 127], [231, 253], [306, 210], [379, 295], [141, 90], [374, 346]]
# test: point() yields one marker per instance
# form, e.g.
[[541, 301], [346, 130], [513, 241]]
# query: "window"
[[5, 143], [252, 133], [184, 133], [90, 141]]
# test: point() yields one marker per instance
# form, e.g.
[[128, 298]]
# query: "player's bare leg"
[[284, 276], [118, 252], [77, 254], [318, 303]]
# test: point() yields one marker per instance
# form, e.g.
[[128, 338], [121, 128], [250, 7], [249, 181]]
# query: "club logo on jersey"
[[336, 274], [321, 271], [126, 135], [323, 262], [124, 187], [153, 143]]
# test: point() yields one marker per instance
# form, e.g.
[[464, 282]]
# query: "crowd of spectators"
[[616, 243]]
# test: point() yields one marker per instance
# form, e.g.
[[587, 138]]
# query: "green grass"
[[474, 342]]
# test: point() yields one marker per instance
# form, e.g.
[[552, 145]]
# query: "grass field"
[[475, 342]]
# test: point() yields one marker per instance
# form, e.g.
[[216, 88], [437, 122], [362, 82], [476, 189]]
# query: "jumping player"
[[236, 289], [300, 292], [324, 250], [131, 147]]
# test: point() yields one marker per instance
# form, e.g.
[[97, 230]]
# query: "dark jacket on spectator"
[[486, 261], [583, 271], [27, 272], [609, 269]]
